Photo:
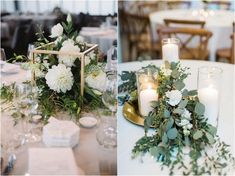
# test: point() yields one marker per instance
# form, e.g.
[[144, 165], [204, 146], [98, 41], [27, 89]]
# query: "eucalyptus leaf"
[[166, 113], [172, 133], [178, 111], [198, 134], [210, 138], [154, 151], [185, 93], [175, 73], [192, 92], [173, 65], [199, 109], [179, 85], [169, 124], [183, 103], [212, 130], [165, 138]]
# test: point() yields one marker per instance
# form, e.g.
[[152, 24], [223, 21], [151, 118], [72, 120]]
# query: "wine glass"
[[109, 96]]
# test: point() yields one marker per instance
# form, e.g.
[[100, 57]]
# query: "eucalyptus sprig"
[[179, 126]]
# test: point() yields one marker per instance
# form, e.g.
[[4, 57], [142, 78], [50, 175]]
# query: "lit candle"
[[146, 96], [170, 52], [209, 96]]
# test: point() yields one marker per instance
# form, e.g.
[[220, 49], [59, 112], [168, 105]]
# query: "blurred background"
[[143, 24], [96, 20]]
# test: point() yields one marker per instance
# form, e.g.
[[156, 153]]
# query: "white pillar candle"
[[209, 96], [146, 97], [170, 52]]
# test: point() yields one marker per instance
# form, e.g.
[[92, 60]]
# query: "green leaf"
[[165, 138], [210, 138], [192, 92], [199, 109], [169, 124], [185, 93], [154, 151], [166, 113], [172, 133], [212, 130], [179, 85], [183, 103], [173, 65], [198, 134], [175, 73]]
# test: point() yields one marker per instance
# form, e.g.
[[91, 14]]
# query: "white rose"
[[97, 80], [59, 78], [189, 126], [186, 132], [56, 31], [174, 96], [68, 46], [80, 39]]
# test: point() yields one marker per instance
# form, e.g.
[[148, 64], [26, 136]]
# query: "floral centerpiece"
[[181, 130], [58, 76]]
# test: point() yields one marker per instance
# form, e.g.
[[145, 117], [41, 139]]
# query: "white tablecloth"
[[129, 133], [104, 37], [219, 23]]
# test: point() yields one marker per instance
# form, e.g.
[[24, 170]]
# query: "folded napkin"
[[60, 133], [52, 161], [10, 68]]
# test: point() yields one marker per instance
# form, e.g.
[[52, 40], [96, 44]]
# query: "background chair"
[[198, 52], [218, 4], [184, 23], [178, 4]]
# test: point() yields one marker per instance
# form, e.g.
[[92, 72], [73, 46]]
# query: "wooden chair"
[[198, 52], [145, 8], [219, 4], [170, 22], [227, 53], [175, 4]]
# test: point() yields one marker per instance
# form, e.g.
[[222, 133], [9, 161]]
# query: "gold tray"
[[132, 115]]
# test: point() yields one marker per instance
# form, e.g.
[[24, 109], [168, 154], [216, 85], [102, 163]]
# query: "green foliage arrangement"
[[180, 125]]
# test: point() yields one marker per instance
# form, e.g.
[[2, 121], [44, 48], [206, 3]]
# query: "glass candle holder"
[[209, 81], [170, 49], [147, 90]]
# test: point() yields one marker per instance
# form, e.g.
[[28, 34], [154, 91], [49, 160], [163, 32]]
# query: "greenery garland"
[[178, 127]]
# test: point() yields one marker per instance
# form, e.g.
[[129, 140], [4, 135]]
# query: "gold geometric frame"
[[80, 55]]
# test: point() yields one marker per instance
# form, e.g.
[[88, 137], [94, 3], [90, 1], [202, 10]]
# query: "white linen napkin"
[[52, 161], [60, 133]]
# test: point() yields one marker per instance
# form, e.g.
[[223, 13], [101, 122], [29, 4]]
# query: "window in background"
[[93, 7]]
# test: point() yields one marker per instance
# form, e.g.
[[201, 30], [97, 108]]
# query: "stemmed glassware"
[[26, 105]]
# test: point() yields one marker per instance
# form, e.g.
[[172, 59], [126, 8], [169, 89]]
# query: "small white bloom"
[[174, 96], [186, 132], [186, 114], [89, 57], [39, 73], [56, 31], [97, 80], [183, 122], [165, 71], [68, 42], [80, 39], [68, 46], [189, 126], [59, 78], [69, 18]]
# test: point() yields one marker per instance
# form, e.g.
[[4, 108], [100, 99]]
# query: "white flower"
[[189, 126], [97, 80], [174, 97], [68, 46], [69, 18], [59, 78], [186, 132], [80, 39], [183, 122], [186, 114], [56, 31], [87, 60], [89, 57]]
